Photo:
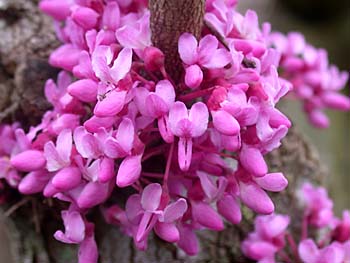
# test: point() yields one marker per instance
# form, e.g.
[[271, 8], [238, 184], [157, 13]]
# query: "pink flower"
[[149, 210], [318, 206], [205, 54], [187, 124], [58, 157], [310, 253]]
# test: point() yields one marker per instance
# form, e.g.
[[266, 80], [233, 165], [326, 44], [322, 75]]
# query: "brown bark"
[[169, 19], [25, 43]]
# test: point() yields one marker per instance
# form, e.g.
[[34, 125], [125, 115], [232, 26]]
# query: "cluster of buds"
[[271, 239], [189, 152]]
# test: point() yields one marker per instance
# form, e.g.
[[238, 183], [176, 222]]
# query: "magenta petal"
[[129, 170], [175, 210], [164, 130], [85, 17], [274, 182], [336, 101], [111, 16], [167, 231], [112, 149], [193, 76], [205, 215], [258, 249], [319, 119], [150, 198], [111, 105], [65, 57], [58, 10], [84, 90], [133, 209], [94, 193], [256, 198], [188, 240], [253, 161], [229, 208], [207, 184], [225, 123], [95, 123], [106, 171], [188, 48], [67, 178], [88, 252], [28, 161], [34, 182]]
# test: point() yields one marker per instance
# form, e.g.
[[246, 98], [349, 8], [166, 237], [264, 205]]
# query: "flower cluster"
[[189, 152], [315, 83], [271, 238]]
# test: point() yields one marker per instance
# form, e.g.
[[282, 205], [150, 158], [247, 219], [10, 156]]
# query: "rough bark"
[[26, 40], [169, 19]]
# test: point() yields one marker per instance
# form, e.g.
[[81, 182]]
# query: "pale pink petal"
[[65, 57], [165, 90], [64, 145], [206, 48], [177, 112], [185, 153], [125, 134], [175, 210], [53, 160], [207, 184], [150, 198], [113, 149], [133, 209], [199, 116], [188, 48], [219, 59], [121, 65], [308, 251]]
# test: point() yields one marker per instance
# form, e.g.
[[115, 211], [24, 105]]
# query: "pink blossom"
[[187, 124]]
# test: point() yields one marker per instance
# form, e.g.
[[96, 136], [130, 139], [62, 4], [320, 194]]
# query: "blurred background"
[[325, 24]]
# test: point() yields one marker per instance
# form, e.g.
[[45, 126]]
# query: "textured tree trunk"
[[26, 40], [169, 19]]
